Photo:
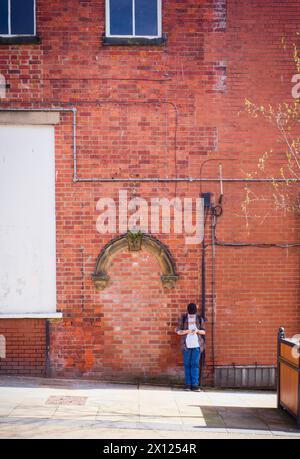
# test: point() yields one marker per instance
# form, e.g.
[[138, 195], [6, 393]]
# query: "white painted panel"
[[27, 220]]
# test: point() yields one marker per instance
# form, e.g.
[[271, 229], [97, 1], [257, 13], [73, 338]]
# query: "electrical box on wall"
[[207, 199]]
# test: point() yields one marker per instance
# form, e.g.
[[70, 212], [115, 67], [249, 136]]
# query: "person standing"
[[191, 329]]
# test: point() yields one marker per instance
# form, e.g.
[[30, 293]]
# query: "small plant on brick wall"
[[285, 117]]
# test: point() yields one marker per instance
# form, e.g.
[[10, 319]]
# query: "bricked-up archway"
[[137, 322], [135, 242]]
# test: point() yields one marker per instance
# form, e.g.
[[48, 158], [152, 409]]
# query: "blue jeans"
[[191, 360]]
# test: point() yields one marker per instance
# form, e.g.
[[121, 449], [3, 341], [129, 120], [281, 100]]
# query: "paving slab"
[[78, 412], [47, 408], [121, 407]]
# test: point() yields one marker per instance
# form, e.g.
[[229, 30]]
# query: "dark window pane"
[[3, 17], [121, 17], [22, 17], [146, 17]]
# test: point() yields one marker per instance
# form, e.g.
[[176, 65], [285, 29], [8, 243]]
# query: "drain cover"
[[66, 400]]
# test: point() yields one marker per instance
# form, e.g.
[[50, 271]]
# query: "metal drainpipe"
[[136, 180], [47, 353], [185, 179], [213, 286]]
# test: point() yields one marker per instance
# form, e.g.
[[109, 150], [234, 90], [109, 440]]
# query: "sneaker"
[[186, 387], [195, 388]]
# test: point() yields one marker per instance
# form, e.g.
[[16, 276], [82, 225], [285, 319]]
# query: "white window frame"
[[9, 34], [159, 22]]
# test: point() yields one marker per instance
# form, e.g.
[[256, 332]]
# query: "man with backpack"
[[191, 329]]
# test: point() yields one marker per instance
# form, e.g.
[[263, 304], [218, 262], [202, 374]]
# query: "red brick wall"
[[218, 54], [25, 347]]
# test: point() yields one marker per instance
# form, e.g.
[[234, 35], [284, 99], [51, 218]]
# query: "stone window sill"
[[55, 315], [134, 41], [20, 40]]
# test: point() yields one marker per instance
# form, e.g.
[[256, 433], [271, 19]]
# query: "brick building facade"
[[171, 109]]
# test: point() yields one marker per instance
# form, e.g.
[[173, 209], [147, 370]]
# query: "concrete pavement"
[[52, 408]]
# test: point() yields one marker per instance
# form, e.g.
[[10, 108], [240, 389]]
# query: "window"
[[133, 18], [17, 17]]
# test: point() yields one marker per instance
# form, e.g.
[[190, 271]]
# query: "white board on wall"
[[27, 220]]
